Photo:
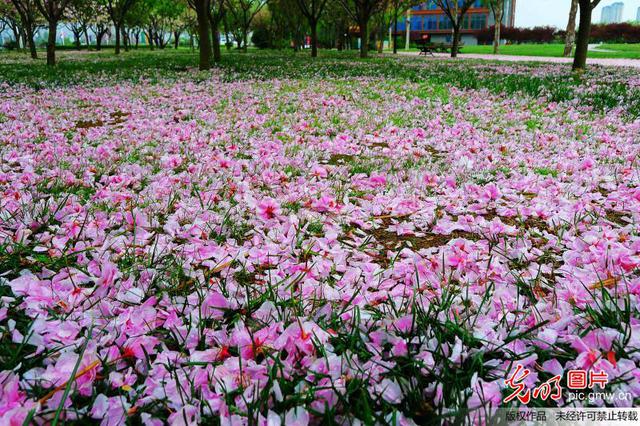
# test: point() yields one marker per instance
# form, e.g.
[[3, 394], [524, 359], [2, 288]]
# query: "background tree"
[[243, 13], [380, 23], [334, 26], [361, 12], [201, 8], [100, 21], [164, 16], [9, 19], [570, 35], [233, 28], [584, 30], [289, 26], [217, 11], [397, 8], [181, 23], [78, 19], [117, 12], [455, 11], [30, 20], [137, 22], [497, 9], [312, 10], [52, 10]]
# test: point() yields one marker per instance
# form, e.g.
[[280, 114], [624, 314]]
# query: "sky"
[[530, 13]]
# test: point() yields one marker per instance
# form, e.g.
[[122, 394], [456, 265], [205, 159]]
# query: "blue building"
[[427, 19]]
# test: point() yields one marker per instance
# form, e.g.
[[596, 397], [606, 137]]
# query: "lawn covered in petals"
[[298, 242]]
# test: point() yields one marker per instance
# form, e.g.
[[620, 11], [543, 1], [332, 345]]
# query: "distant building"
[[612, 14], [428, 19]]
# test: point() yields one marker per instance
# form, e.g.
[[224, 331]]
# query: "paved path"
[[510, 58]]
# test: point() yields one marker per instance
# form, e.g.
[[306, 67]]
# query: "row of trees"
[[163, 20]]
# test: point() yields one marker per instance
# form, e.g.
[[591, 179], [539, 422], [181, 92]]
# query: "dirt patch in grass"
[[437, 155], [117, 117], [391, 240], [380, 145], [528, 223], [616, 217], [340, 159], [87, 124]]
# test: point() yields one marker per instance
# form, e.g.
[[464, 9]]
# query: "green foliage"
[[99, 68]]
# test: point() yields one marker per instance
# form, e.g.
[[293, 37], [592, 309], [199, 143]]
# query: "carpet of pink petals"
[[206, 250]]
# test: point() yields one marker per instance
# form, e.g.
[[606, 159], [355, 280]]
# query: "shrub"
[[615, 33], [520, 35]]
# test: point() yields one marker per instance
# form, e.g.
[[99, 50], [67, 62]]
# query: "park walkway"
[[615, 62]]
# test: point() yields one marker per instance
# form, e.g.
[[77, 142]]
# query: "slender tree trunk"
[[364, 37], [31, 43], [571, 29], [245, 39], [51, 43], [176, 39], [99, 40], [86, 39], [16, 35], [455, 42], [582, 42], [407, 42], [117, 39], [202, 12], [498, 13], [395, 33], [125, 38], [314, 38], [215, 42]]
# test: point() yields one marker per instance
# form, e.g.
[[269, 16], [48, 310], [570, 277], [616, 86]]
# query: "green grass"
[[557, 83], [629, 51]]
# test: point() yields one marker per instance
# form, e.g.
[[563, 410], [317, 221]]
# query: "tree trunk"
[[571, 29], [455, 42], [125, 38], [582, 42], [395, 33], [16, 35], [51, 43], [364, 37], [149, 36], [99, 36], [314, 38], [498, 12], [86, 39], [176, 39], [117, 27], [202, 12], [32, 44], [245, 39], [407, 42], [215, 42]]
